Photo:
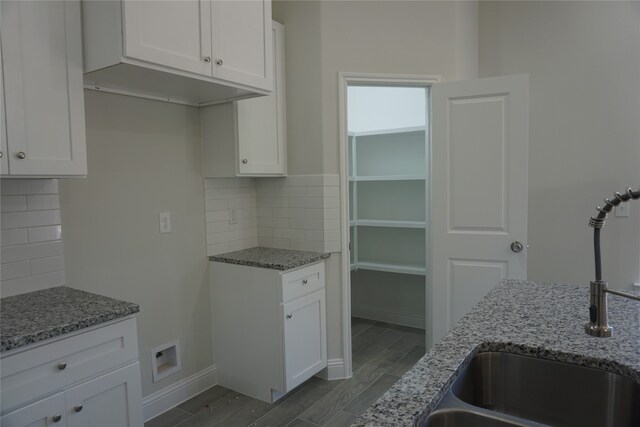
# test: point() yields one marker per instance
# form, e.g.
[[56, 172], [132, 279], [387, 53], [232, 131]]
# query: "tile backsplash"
[[31, 236], [221, 195], [296, 212]]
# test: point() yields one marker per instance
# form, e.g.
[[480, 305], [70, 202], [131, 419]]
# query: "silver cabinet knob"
[[1, 154], [305, 281], [516, 246], [289, 316], [56, 418], [78, 407], [21, 155], [207, 59], [219, 61], [62, 366], [245, 161]]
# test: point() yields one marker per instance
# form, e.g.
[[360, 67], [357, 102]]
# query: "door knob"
[[245, 161], [207, 59], [289, 316], [219, 62], [56, 418], [78, 407], [21, 155], [62, 366], [517, 247]]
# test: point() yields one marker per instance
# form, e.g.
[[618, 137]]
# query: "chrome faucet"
[[598, 325]]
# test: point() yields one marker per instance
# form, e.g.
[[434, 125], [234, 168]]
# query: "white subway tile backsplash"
[[223, 194], [32, 283], [30, 219], [44, 234], [47, 265], [43, 202], [13, 203], [297, 212], [16, 236], [31, 236], [15, 270], [30, 251]]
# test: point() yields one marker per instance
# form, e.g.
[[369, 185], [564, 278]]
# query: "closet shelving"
[[387, 179]]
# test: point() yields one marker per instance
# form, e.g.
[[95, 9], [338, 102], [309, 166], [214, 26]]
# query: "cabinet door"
[[42, 60], [261, 122], [241, 42], [305, 339], [174, 34], [45, 412], [4, 159], [113, 399]]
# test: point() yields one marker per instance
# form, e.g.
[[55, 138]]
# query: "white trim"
[[163, 400], [381, 315], [335, 370], [345, 79]]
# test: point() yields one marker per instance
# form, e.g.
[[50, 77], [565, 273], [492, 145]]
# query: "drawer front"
[[41, 370], [301, 282]]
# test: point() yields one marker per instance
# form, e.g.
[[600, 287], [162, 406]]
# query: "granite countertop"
[[271, 258], [531, 318], [40, 315]]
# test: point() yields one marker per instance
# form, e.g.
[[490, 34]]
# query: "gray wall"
[[584, 63], [144, 158]]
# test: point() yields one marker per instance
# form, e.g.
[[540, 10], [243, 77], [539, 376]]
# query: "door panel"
[[113, 399], [39, 414], [479, 191], [261, 123], [174, 34], [42, 60], [241, 42], [305, 338]]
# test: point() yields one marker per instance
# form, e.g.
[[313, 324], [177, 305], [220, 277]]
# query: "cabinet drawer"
[[55, 365], [302, 282]]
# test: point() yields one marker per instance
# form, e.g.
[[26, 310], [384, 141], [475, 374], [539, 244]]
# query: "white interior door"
[[479, 191]]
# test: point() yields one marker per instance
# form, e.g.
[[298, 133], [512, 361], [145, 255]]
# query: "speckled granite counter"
[[272, 258], [37, 316], [531, 318]]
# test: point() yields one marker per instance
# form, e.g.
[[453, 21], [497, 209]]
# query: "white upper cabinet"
[[43, 93], [241, 42], [248, 137], [190, 51], [175, 34]]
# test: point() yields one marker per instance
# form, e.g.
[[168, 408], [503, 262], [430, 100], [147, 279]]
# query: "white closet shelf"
[[387, 223], [389, 131], [387, 178], [389, 267]]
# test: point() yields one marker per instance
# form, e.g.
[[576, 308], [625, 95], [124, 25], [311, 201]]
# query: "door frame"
[[346, 79]]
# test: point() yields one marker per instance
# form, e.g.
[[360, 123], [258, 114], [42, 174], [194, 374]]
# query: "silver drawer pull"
[[305, 281], [289, 316], [56, 418], [78, 407], [62, 366]]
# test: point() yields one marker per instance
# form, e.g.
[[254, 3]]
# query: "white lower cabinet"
[[44, 412], [88, 379], [269, 327]]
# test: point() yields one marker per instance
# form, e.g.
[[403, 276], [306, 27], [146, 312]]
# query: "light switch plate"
[[165, 222]]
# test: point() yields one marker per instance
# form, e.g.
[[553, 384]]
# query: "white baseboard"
[[382, 315], [163, 400], [334, 371]]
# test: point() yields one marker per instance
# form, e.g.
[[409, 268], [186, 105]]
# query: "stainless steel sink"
[[532, 391], [453, 417]]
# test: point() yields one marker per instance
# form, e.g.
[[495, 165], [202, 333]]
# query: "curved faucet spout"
[[598, 322]]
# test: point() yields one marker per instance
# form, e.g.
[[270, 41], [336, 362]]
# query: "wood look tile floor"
[[382, 353]]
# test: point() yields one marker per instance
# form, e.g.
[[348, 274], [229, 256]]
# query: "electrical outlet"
[[233, 216], [165, 222], [622, 210]]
